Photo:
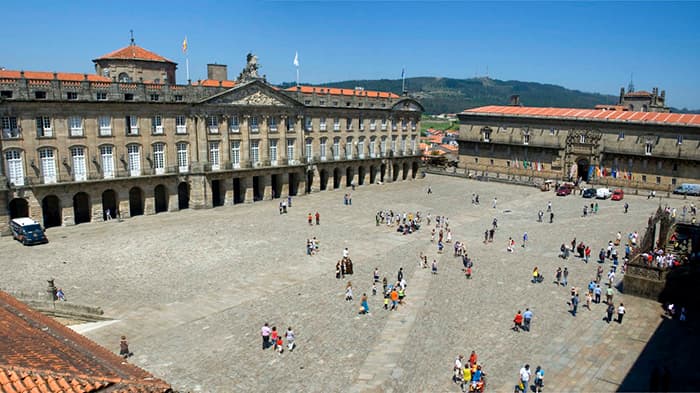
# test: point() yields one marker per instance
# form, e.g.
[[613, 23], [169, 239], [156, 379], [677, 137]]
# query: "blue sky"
[[592, 46]]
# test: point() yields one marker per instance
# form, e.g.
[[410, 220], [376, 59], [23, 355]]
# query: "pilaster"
[[227, 189], [247, 185]]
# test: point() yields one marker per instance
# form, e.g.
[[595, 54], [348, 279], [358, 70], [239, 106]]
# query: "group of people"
[[312, 246], [272, 338], [469, 374], [525, 376], [522, 320], [285, 203]]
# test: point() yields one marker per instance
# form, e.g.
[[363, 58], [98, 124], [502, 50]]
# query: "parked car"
[[603, 193], [688, 189], [27, 231], [589, 193], [563, 191], [617, 195]]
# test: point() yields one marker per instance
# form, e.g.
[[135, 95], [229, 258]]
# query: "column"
[[264, 144], [247, 185], [200, 192], [173, 200], [245, 141], [123, 197], [267, 186], [285, 184], [227, 188]]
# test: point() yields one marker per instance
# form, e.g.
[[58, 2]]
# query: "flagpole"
[[403, 80], [187, 66], [297, 76]]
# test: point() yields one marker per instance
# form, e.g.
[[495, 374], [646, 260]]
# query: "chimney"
[[217, 72], [515, 100], [663, 94], [622, 95]]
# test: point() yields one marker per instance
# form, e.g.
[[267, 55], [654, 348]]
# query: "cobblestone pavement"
[[192, 289]]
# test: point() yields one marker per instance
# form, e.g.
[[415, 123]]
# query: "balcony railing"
[[180, 129], [11, 133]]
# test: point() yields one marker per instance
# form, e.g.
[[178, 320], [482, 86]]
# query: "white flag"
[[296, 59]]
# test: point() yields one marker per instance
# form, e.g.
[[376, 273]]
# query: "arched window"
[[124, 77], [79, 167], [48, 164], [15, 167], [159, 158]]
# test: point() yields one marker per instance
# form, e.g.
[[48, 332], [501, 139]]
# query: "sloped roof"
[[344, 92], [134, 52], [62, 76], [661, 118], [38, 354], [640, 93]]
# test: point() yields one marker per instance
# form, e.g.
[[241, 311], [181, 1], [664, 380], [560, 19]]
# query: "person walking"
[[364, 306], [574, 304], [124, 348], [551, 217], [518, 321], [525, 378], [457, 368], [620, 313], [265, 332], [597, 292], [309, 218], [527, 319], [609, 295], [610, 310], [524, 239], [558, 276], [290, 336], [539, 379], [565, 275], [318, 219], [495, 202]]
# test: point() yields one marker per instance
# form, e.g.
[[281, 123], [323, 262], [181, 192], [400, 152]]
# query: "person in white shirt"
[[525, 377], [457, 378], [346, 252]]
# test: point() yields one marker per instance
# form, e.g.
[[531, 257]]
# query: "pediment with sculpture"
[[254, 93]]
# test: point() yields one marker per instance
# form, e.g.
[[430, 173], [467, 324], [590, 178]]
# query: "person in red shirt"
[[318, 219], [472, 359], [518, 321]]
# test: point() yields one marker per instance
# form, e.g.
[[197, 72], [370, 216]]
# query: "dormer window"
[[679, 139], [648, 146], [526, 138], [486, 134]]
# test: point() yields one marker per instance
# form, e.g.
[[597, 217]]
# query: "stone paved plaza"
[[192, 289]]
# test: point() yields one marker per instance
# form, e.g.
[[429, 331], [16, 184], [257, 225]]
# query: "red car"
[[618, 195], [563, 191]]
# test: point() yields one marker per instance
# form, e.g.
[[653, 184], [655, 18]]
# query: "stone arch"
[[372, 174], [136, 202], [309, 180], [81, 208], [160, 194], [404, 171], [109, 204], [183, 195], [361, 175], [382, 172], [583, 166], [51, 211], [19, 207], [349, 176], [337, 175], [323, 184]]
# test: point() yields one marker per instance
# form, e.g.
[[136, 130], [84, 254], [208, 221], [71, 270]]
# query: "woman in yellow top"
[[535, 275], [467, 377]]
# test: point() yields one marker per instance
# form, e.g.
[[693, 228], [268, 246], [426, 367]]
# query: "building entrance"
[[583, 168]]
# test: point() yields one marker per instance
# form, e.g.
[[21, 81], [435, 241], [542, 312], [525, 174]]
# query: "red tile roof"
[[661, 118], [611, 107], [344, 92], [640, 93], [38, 354], [134, 52], [62, 76], [214, 83]]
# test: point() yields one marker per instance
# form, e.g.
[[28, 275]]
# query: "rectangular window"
[[290, 152], [213, 124], [48, 165], [159, 158], [403, 145], [658, 179], [582, 139], [155, 97], [526, 139], [361, 121], [75, 123], [403, 124], [128, 97], [307, 123], [43, 127], [336, 124], [487, 135], [105, 125], [309, 150], [393, 144], [101, 96], [384, 121], [644, 178], [79, 167], [255, 152], [372, 148], [132, 125], [648, 147], [414, 147], [234, 124], [15, 167], [336, 149], [134, 160], [361, 148], [322, 148], [348, 149], [621, 136], [273, 152], [679, 140], [183, 162], [236, 154], [348, 124], [178, 97], [323, 124], [71, 95], [552, 131], [673, 181], [272, 123], [413, 125], [9, 127], [106, 154], [372, 124], [40, 95], [214, 157], [382, 147], [180, 124], [6, 94], [321, 102], [157, 125], [290, 123], [254, 126]]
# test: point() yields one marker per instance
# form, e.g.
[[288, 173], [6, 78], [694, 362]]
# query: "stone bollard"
[[51, 291]]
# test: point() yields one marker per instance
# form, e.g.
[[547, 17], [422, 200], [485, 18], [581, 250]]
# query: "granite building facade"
[[129, 140]]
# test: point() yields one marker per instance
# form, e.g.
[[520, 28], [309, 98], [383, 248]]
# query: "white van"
[[603, 193], [688, 189], [27, 231]]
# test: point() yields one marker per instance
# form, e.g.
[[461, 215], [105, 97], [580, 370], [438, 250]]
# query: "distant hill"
[[447, 95]]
